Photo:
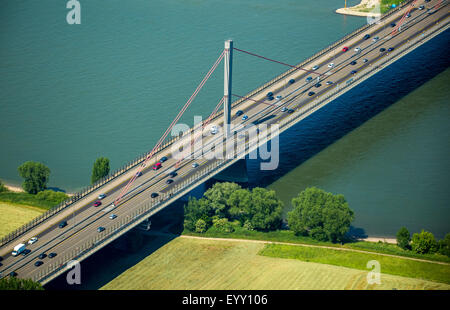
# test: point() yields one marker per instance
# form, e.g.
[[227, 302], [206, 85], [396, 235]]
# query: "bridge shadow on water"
[[313, 134]]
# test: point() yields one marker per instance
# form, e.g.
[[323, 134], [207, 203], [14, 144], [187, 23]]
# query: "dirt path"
[[315, 246]]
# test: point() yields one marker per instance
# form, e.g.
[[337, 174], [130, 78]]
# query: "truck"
[[18, 249]]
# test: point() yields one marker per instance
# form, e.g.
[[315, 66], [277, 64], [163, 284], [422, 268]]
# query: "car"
[[100, 229], [291, 81], [156, 166], [353, 63], [1, 258], [173, 174], [270, 98], [97, 203], [33, 240], [317, 85], [51, 255], [239, 113], [138, 174], [393, 24], [245, 117], [163, 159], [353, 72], [26, 252], [408, 15], [357, 49], [382, 49], [195, 165], [290, 111], [365, 60], [345, 48], [154, 195], [308, 79], [102, 196], [13, 274], [269, 94], [112, 216], [315, 67], [42, 256], [331, 65], [311, 93], [329, 82], [279, 97], [421, 7], [284, 109], [390, 49], [214, 130], [62, 224], [367, 36], [375, 39], [38, 263], [169, 181]]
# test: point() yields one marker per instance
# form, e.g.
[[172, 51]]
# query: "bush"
[[52, 196], [200, 226], [403, 238], [13, 283], [2, 187], [424, 242], [223, 225], [444, 245]]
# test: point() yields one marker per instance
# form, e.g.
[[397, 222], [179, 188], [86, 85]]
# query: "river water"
[[110, 86]]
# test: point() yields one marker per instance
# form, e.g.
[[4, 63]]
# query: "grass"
[[289, 236], [386, 5], [13, 216], [27, 199], [357, 260], [199, 264]]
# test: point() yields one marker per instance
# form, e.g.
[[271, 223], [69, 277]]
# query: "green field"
[[13, 216], [197, 264]]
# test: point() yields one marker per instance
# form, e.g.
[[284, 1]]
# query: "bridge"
[[137, 191]]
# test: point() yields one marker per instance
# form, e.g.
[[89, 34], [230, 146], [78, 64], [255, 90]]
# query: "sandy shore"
[[359, 10], [18, 189], [376, 239]]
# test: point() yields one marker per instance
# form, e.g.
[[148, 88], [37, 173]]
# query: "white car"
[[33, 240], [357, 49], [375, 39], [331, 65], [365, 60], [315, 67], [194, 165], [279, 97], [329, 82], [214, 130], [112, 216]]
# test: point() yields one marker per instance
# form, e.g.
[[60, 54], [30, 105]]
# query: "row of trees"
[[256, 209], [36, 175], [423, 242]]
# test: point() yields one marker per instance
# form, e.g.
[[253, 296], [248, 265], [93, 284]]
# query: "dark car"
[[163, 159], [393, 24], [154, 195], [382, 49], [97, 203], [42, 256], [291, 81], [269, 94], [13, 274], [26, 252], [353, 72], [318, 85], [138, 174], [169, 181], [353, 63], [62, 224], [311, 93], [100, 229], [1, 258], [270, 98], [51, 255], [239, 113], [390, 49], [290, 111], [367, 36], [172, 174], [38, 263]]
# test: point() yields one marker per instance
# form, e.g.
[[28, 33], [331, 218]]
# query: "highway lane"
[[253, 110]]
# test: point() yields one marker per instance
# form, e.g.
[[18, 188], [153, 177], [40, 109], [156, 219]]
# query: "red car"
[[345, 49], [157, 166], [97, 203]]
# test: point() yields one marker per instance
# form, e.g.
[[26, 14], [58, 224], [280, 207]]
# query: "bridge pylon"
[[228, 60]]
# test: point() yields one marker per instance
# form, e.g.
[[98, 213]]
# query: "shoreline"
[[18, 189], [374, 5]]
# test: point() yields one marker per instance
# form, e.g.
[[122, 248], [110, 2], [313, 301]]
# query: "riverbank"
[[365, 8]]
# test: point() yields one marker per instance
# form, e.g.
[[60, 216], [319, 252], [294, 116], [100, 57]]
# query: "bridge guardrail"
[[132, 164]]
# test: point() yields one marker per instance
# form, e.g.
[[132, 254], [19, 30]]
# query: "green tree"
[[36, 176], [266, 209], [403, 238], [223, 225], [200, 226], [444, 245], [2, 187], [197, 209], [13, 283], [321, 215], [240, 205], [100, 169], [218, 195], [424, 242]]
